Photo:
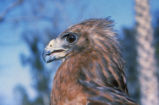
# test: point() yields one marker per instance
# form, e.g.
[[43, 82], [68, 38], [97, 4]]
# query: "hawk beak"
[[53, 51]]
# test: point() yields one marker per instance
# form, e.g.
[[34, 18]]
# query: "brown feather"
[[93, 73]]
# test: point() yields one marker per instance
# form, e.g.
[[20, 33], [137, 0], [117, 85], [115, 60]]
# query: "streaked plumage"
[[93, 70]]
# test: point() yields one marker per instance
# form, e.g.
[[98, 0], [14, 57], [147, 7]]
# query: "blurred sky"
[[11, 44]]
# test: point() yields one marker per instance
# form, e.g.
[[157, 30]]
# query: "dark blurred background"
[[26, 26]]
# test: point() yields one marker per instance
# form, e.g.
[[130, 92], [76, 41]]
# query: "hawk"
[[92, 72]]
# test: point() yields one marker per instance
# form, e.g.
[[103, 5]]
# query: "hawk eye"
[[70, 38]]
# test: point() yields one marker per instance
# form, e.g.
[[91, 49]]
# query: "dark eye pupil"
[[71, 38]]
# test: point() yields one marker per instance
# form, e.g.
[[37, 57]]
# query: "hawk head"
[[78, 38]]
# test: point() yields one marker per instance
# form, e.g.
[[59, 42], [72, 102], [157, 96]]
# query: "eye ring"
[[70, 37]]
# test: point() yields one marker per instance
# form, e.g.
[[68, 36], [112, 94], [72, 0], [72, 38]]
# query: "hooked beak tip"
[[46, 55]]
